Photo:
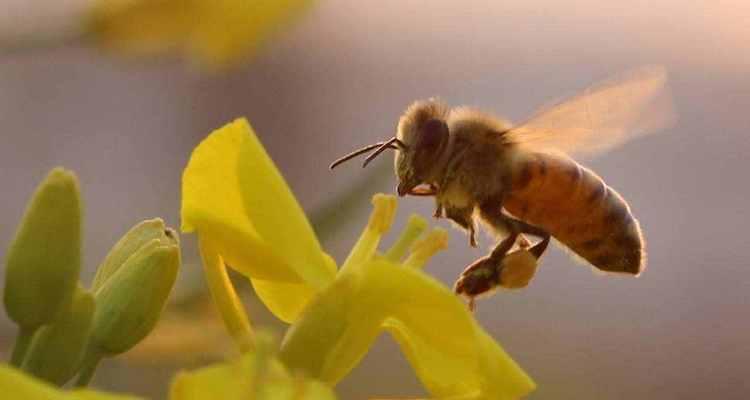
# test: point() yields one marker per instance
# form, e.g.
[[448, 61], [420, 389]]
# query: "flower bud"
[[129, 302], [57, 349], [45, 256], [126, 247]]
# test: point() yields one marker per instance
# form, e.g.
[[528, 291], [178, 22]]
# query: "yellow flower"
[[14, 384], [234, 197], [237, 202], [214, 33], [256, 375]]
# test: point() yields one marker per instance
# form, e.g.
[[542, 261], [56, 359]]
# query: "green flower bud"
[[57, 349], [129, 302], [45, 256], [127, 246]]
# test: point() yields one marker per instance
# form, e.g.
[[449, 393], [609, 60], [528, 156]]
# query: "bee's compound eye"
[[434, 131]]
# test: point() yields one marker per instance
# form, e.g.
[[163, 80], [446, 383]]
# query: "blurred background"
[[338, 77]]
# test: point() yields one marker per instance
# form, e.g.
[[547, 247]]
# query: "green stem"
[[88, 367], [22, 345]]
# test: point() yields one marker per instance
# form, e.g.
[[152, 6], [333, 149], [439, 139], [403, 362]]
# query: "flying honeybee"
[[520, 179]]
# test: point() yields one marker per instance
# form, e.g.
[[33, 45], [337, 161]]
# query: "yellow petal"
[[14, 384], [451, 355], [245, 252], [213, 205], [287, 300], [284, 300], [88, 394], [333, 332], [237, 199], [275, 213]]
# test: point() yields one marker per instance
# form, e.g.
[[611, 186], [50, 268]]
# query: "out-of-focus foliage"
[[213, 33]]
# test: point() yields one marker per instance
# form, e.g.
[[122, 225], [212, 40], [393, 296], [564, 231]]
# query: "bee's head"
[[424, 132], [421, 139]]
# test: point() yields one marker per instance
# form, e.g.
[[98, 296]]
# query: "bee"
[[521, 180]]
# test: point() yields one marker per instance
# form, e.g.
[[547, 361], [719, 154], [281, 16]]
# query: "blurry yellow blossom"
[[212, 32], [15, 384], [257, 375], [237, 202]]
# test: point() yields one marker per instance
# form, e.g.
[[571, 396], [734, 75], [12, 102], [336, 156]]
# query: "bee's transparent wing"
[[603, 116]]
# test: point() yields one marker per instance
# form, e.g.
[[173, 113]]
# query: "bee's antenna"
[[394, 144], [354, 154], [386, 145]]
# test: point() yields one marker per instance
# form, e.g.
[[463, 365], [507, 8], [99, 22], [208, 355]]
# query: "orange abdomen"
[[578, 209]]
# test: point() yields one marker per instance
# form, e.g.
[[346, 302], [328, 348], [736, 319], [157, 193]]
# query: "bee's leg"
[[438, 209], [490, 272], [463, 217], [492, 213], [485, 274], [538, 249]]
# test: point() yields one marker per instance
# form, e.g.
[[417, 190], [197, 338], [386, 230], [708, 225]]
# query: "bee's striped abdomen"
[[574, 205]]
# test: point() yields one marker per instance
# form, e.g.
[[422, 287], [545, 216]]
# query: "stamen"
[[424, 249], [381, 219], [414, 228], [225, 297], [383, 213]]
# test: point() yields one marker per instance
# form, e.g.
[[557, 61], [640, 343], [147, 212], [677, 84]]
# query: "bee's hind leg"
[[484, 275], [494, 216]]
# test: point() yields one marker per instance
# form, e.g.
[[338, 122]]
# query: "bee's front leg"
[[463, 216], [431, 191], [438, 209]]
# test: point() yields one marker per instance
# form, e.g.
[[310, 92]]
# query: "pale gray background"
[[342, 76]]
